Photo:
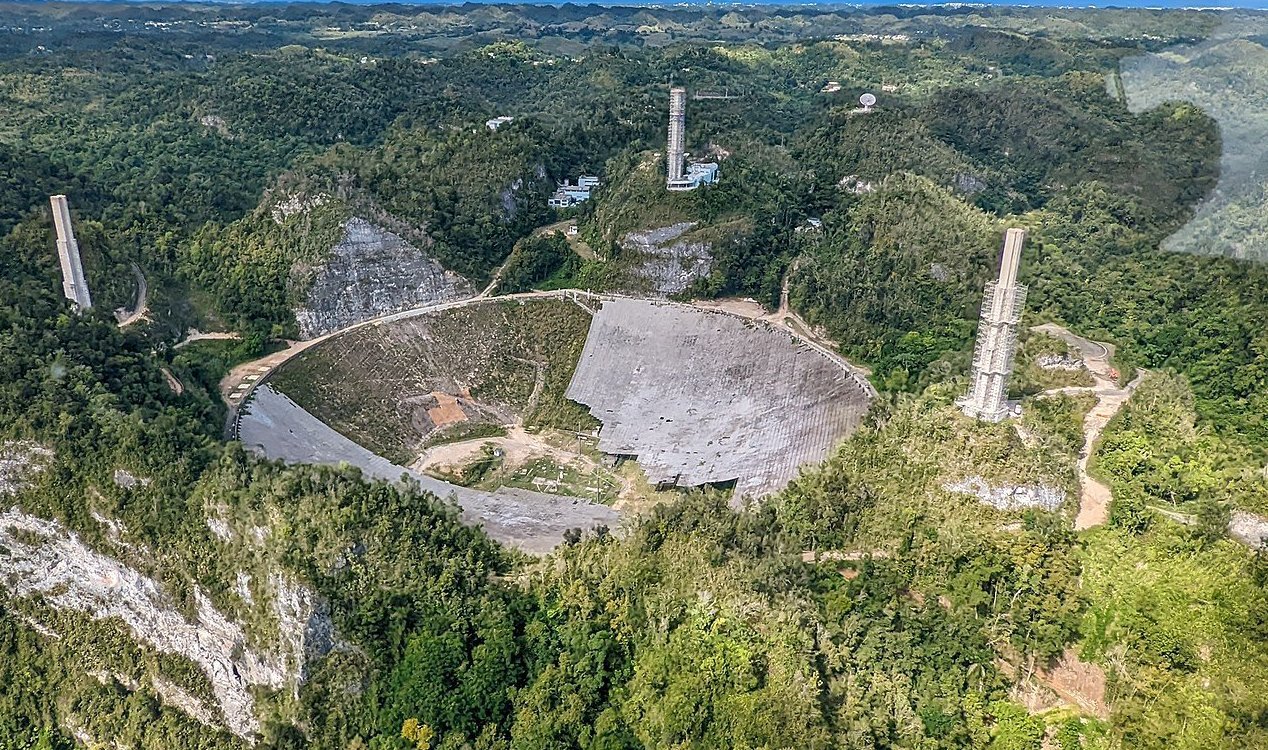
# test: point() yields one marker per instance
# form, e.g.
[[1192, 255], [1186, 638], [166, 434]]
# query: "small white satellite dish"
[[867, 100]]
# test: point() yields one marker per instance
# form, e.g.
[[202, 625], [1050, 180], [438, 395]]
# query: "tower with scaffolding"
[[74, 284], [1002, 307], [679, 175]]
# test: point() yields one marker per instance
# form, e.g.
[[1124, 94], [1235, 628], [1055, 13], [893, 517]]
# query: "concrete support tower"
[[74, 285], [1002, 307], [674, 157]]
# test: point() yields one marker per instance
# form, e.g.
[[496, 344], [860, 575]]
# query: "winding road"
[[127, 318], [1095, 496]]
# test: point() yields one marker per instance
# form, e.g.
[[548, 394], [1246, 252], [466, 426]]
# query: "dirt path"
[[194, 336], [127, 318], [1095, 496], [539, 383], [177, 387]]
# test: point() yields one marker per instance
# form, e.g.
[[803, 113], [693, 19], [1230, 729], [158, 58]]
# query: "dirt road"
[[127, 318], [1095, 497]]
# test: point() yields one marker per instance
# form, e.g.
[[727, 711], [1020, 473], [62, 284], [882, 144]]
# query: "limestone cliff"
[[667, 261], [370, 272], [43, 563]]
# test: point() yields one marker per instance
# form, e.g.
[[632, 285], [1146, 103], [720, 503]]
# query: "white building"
[[498, 122], [698, 173], [568, 195]]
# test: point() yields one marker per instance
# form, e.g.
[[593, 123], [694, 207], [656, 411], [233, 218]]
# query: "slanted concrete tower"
[[1002, 307], [677, 123], [74, 285]]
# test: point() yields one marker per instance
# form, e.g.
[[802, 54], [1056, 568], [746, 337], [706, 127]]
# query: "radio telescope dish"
[[867, 100]]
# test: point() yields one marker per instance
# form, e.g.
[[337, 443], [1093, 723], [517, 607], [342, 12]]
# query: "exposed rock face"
[[1059, 362], [127, 480], [1008, 497], [369, 273], [20, 460], [852, 183], [42, 559], [669, 263], [969, 184], [216, 123], [296, 204], [1249, 529]]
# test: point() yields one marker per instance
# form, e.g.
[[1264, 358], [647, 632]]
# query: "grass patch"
[[547, 475], [462, 432]]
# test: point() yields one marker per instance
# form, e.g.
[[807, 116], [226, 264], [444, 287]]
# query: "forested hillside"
[[874, 603]]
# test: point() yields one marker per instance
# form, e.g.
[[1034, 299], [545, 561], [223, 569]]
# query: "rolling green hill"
[[876, 603]]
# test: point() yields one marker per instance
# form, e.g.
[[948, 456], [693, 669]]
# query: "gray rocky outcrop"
[[292, 205], [668, 263], [19, 461], [1059, 362], [371, 272], [1009, 497], [41, 559], [968, 184], [1248, 528]]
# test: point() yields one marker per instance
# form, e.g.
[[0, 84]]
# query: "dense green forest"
[[865, 606]]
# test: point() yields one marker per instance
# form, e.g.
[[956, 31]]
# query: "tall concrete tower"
[[74, 285], [1002, 307], [677, 124]]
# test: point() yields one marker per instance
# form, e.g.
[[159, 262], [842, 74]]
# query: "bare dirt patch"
[[447, 410], [523, 456], [175, 385], [745, 307], [1068, 682], [1078, 683], [517, 447]]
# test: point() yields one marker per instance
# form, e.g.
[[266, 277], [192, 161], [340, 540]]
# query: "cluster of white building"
[[568, 195]]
